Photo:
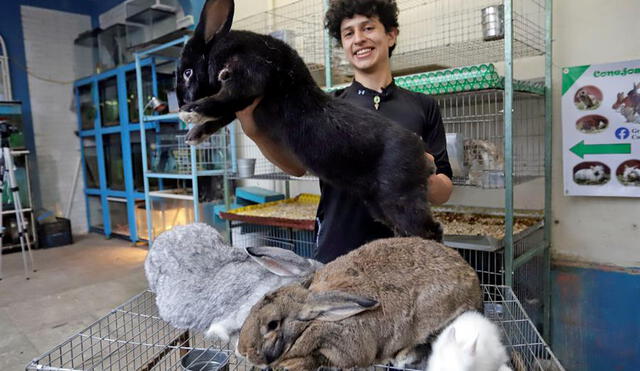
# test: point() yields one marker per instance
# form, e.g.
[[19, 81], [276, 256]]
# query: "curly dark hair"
[[385, 10]]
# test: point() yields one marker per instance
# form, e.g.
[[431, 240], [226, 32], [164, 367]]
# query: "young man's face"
[[366, 43]]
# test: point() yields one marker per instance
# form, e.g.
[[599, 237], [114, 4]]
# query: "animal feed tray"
[[479, 229], [298, 212]]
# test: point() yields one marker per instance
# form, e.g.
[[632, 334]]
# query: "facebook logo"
[[622, 133]]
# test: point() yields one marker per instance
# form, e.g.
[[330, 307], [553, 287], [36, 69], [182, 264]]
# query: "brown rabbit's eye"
[[272, 325], [187, 73]]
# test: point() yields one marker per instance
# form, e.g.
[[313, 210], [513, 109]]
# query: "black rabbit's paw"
[[196, 135], [193, 117], [438, 233]]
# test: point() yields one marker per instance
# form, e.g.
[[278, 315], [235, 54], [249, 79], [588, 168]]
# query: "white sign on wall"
[[601, 129]]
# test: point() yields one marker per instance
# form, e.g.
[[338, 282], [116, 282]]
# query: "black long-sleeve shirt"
[[343, 222]]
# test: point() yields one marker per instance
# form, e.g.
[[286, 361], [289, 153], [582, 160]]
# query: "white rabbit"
[[202, 283], [470, 343], [631, 174], [594, 174]]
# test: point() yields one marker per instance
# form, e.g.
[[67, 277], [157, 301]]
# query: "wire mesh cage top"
[[134, 337], [299, 24], [434, 34]]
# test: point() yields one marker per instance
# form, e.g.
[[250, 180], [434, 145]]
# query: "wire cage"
[[477, 119], [528, 279], [441, 35], [300, 241], [134, 337], [172, 154], [252, 165], [434, 34], [438, 34], [299, 24]]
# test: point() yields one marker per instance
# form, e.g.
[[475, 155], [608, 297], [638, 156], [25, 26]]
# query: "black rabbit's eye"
[[272, 325], [187, 73], [224, 75]]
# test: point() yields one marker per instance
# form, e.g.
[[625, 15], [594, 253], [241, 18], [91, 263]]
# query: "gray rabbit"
[[204, 284], [373, 305]]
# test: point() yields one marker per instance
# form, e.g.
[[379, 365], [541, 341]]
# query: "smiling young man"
[[367, 31]]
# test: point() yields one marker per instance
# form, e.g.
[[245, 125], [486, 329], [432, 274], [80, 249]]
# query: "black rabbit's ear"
[[215, 19]]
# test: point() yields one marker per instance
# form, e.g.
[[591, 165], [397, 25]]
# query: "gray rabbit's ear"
[[280, 261], [334, 306], [215, 19]]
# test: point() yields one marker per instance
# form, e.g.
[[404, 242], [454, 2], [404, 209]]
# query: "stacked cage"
[[437, 34], [453, 50]]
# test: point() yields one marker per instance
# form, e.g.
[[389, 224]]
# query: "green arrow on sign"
[[582, 149]]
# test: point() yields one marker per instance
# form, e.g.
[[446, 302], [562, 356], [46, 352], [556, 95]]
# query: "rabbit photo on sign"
[[204, 284], [222, 72], [370, 306]]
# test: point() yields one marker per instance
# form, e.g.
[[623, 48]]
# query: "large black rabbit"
[[223, 71]]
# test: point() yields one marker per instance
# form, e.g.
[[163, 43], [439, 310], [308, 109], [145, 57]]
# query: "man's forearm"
[[279, 156], [275, 153], [440, 188]]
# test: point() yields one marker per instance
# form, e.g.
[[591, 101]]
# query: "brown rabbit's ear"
[[215, 19], [280, 261], [334, 306]]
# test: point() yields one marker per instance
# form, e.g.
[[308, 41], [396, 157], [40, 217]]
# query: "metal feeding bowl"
[[205, 360], [493, 22]]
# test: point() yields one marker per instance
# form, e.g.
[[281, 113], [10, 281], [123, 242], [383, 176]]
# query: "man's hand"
[[246, 119], [430, 157], [440, 186]]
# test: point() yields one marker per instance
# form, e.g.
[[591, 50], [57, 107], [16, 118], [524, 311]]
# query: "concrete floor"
[[74, 286]]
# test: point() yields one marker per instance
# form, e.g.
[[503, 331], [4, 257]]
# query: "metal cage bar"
[[548, 165], [508, 143]]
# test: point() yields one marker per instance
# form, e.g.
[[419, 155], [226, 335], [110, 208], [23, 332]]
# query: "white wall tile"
[[49, 48]]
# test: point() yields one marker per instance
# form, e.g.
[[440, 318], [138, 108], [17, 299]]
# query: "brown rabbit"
[[369, 306]]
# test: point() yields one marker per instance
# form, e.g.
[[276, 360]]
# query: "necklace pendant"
[[376, 102]]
